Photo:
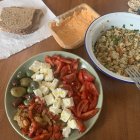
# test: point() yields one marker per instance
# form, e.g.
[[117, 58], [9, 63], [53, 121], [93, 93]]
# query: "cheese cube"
[[57, 103], [52, 85], [37, 92], [49, 99], [66, 131], [55, 110], [44, 90], [43, 66], [49, 75], [72, 124], [65, 115], [35, 66], [59, 92], [68, 102], [39, 77]]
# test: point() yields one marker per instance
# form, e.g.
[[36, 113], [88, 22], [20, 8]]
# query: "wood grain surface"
[[120, 116]]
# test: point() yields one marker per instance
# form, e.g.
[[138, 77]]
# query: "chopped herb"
[[136, 30], [112, 26], [131, 24], [123, 26], [107, 20]]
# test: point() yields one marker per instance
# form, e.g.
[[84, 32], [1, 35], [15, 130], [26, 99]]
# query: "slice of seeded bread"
[[20, 20]]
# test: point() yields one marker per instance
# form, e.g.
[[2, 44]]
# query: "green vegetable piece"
[[29, 73], [34, 85], [20, 75], [25, 82], [18, 91], [29, 90]]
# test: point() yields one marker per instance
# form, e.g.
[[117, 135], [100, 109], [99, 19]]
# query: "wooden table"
[[120, 116]]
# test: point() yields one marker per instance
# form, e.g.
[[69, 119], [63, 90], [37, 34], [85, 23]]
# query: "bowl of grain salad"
[[113, 44]]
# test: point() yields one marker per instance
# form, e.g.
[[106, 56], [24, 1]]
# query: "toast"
[[20, 20]]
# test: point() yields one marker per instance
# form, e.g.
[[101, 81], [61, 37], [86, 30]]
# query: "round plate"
[[10, 110]]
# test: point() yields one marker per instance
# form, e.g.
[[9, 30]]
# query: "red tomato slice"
[[91, 88], [81, 106], [70, 77], [65, 60], [80, 76], [87, 76], [80, 125], [48, 59], [93, 102], [58, 136], [73, 109], [89, 114], [76, 99], [75, 65], [58, 66], [65, 70], [56, 128]]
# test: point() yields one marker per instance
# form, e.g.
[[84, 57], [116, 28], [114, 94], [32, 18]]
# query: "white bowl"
[[103, 23]]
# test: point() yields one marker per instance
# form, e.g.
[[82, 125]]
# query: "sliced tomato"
[[56, 128], [65, 70], [58, 136], [84, 95], [76, 85], [73, 109], [80, 76], [76, 99], [58, 66], [48, 59], [87, 76], [70, 77], [89, 114], [90, 87], [81, 106], [75, 65], [93, 102], [81, 125], [65, 60]]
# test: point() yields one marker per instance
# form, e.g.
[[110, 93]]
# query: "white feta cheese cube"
[[49, 75], [37, 92], [52, 85], [44, 66], [57, 103], [66, 131], [34, 75], [65, 115], [72, 124], [39, 77], [55, 110], [35, 66], [68, 102], [59, 92], [49, 99], [44, 90]]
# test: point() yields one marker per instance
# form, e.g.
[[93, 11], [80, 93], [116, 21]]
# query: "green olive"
[[29, 90], [34, 85], [25, 82], [29, 73], [18, 91], [20, 75]]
